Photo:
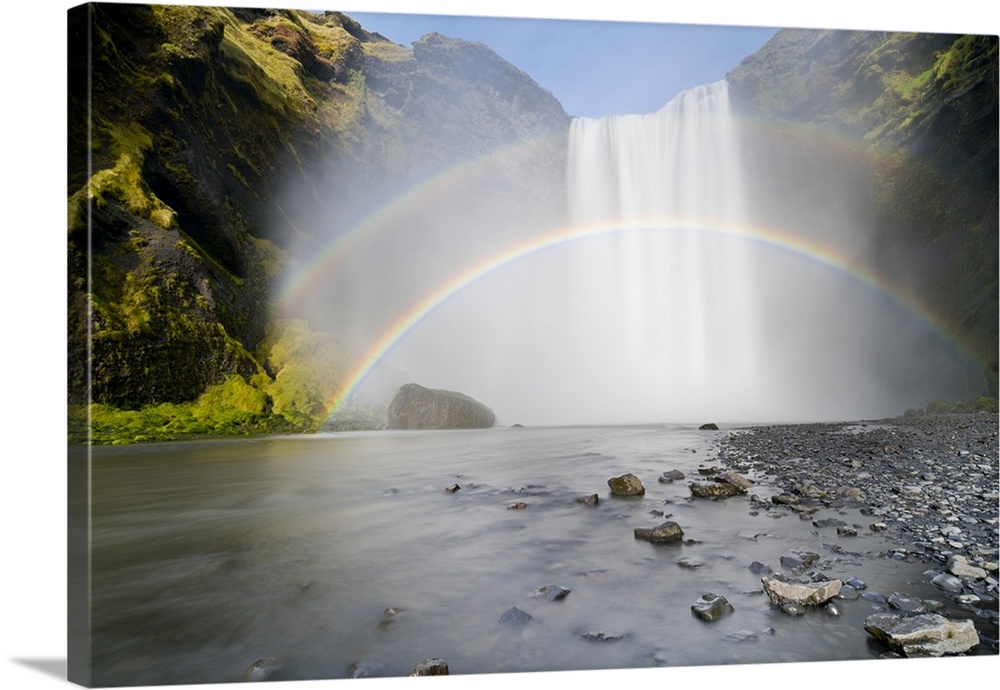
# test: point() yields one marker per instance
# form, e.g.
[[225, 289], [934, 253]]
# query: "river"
[[209, 555]]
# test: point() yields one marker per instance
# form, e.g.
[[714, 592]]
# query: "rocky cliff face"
[[905, 127], [416, 407]]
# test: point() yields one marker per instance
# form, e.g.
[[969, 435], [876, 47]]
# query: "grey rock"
[[416, 407], [430, 667], [906, 604], [515, 616], [667, 532], [960, 567], [591, 500], [552, 592], [599, 636], [263, 669], [949, 583], [711, 607], [924, 635], [800, 594], [714, 489]]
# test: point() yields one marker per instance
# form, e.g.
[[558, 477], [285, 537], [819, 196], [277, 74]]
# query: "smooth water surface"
[[208, 556]]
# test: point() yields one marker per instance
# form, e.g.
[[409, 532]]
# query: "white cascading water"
[[676, 277]]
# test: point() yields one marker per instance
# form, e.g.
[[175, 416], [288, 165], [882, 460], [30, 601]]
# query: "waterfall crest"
[[676, 275]]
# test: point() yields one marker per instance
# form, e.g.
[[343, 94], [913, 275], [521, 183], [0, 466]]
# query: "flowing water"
[[208, 556]]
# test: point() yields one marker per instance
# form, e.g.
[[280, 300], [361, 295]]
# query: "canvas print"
[[408, 345]]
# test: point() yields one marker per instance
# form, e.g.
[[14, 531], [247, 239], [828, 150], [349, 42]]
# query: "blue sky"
[[632, 56], [594, 68]]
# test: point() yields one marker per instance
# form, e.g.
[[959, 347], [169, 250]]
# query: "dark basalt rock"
[[711, 607], [430, 667], [416, 407]]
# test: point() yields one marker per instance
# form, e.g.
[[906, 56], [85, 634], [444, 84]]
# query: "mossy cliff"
[[185, 125], [904, 125]]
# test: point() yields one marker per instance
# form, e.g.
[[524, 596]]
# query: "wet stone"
[[711, 607], [906, 604], [552, 592], [626, 485], [430, 667], [667, 532], [515, 616], [847, 592], [263, 669], [829, 522], [948, 583], [672, 476], [689, 563], [600, 636], [742, 636]]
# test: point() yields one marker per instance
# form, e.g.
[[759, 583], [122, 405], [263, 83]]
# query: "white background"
[[33, 609]]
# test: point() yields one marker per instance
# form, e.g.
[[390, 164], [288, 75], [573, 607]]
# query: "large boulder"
[[416, 407], [928, 634]]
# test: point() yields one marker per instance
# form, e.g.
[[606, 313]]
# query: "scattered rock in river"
[[689, 563], [667, 532], [828, 522], [515, 616], [711, 607], [551, 592], [948, 583], [671, 476], [430, 667], [714, 489], [626, 485], [452, 489], [262, 669], [591, 500], [928, 634], [792, 596], [520, 505], [742, 636], [960, 567], [906, 604], [600, 636]]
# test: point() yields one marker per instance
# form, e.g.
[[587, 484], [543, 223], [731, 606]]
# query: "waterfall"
[[677, 280]]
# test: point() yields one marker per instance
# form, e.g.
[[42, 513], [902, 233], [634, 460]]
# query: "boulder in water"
[[928, 634], [430, 667], [667, 532], [416, 407], [626, 485]]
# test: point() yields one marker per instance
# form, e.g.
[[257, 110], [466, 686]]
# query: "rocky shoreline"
[[927, 481]]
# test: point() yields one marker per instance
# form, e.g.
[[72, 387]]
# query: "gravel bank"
[[929, 481]]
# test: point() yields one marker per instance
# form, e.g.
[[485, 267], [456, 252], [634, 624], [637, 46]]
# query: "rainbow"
[[776, 239], [397, 211]]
